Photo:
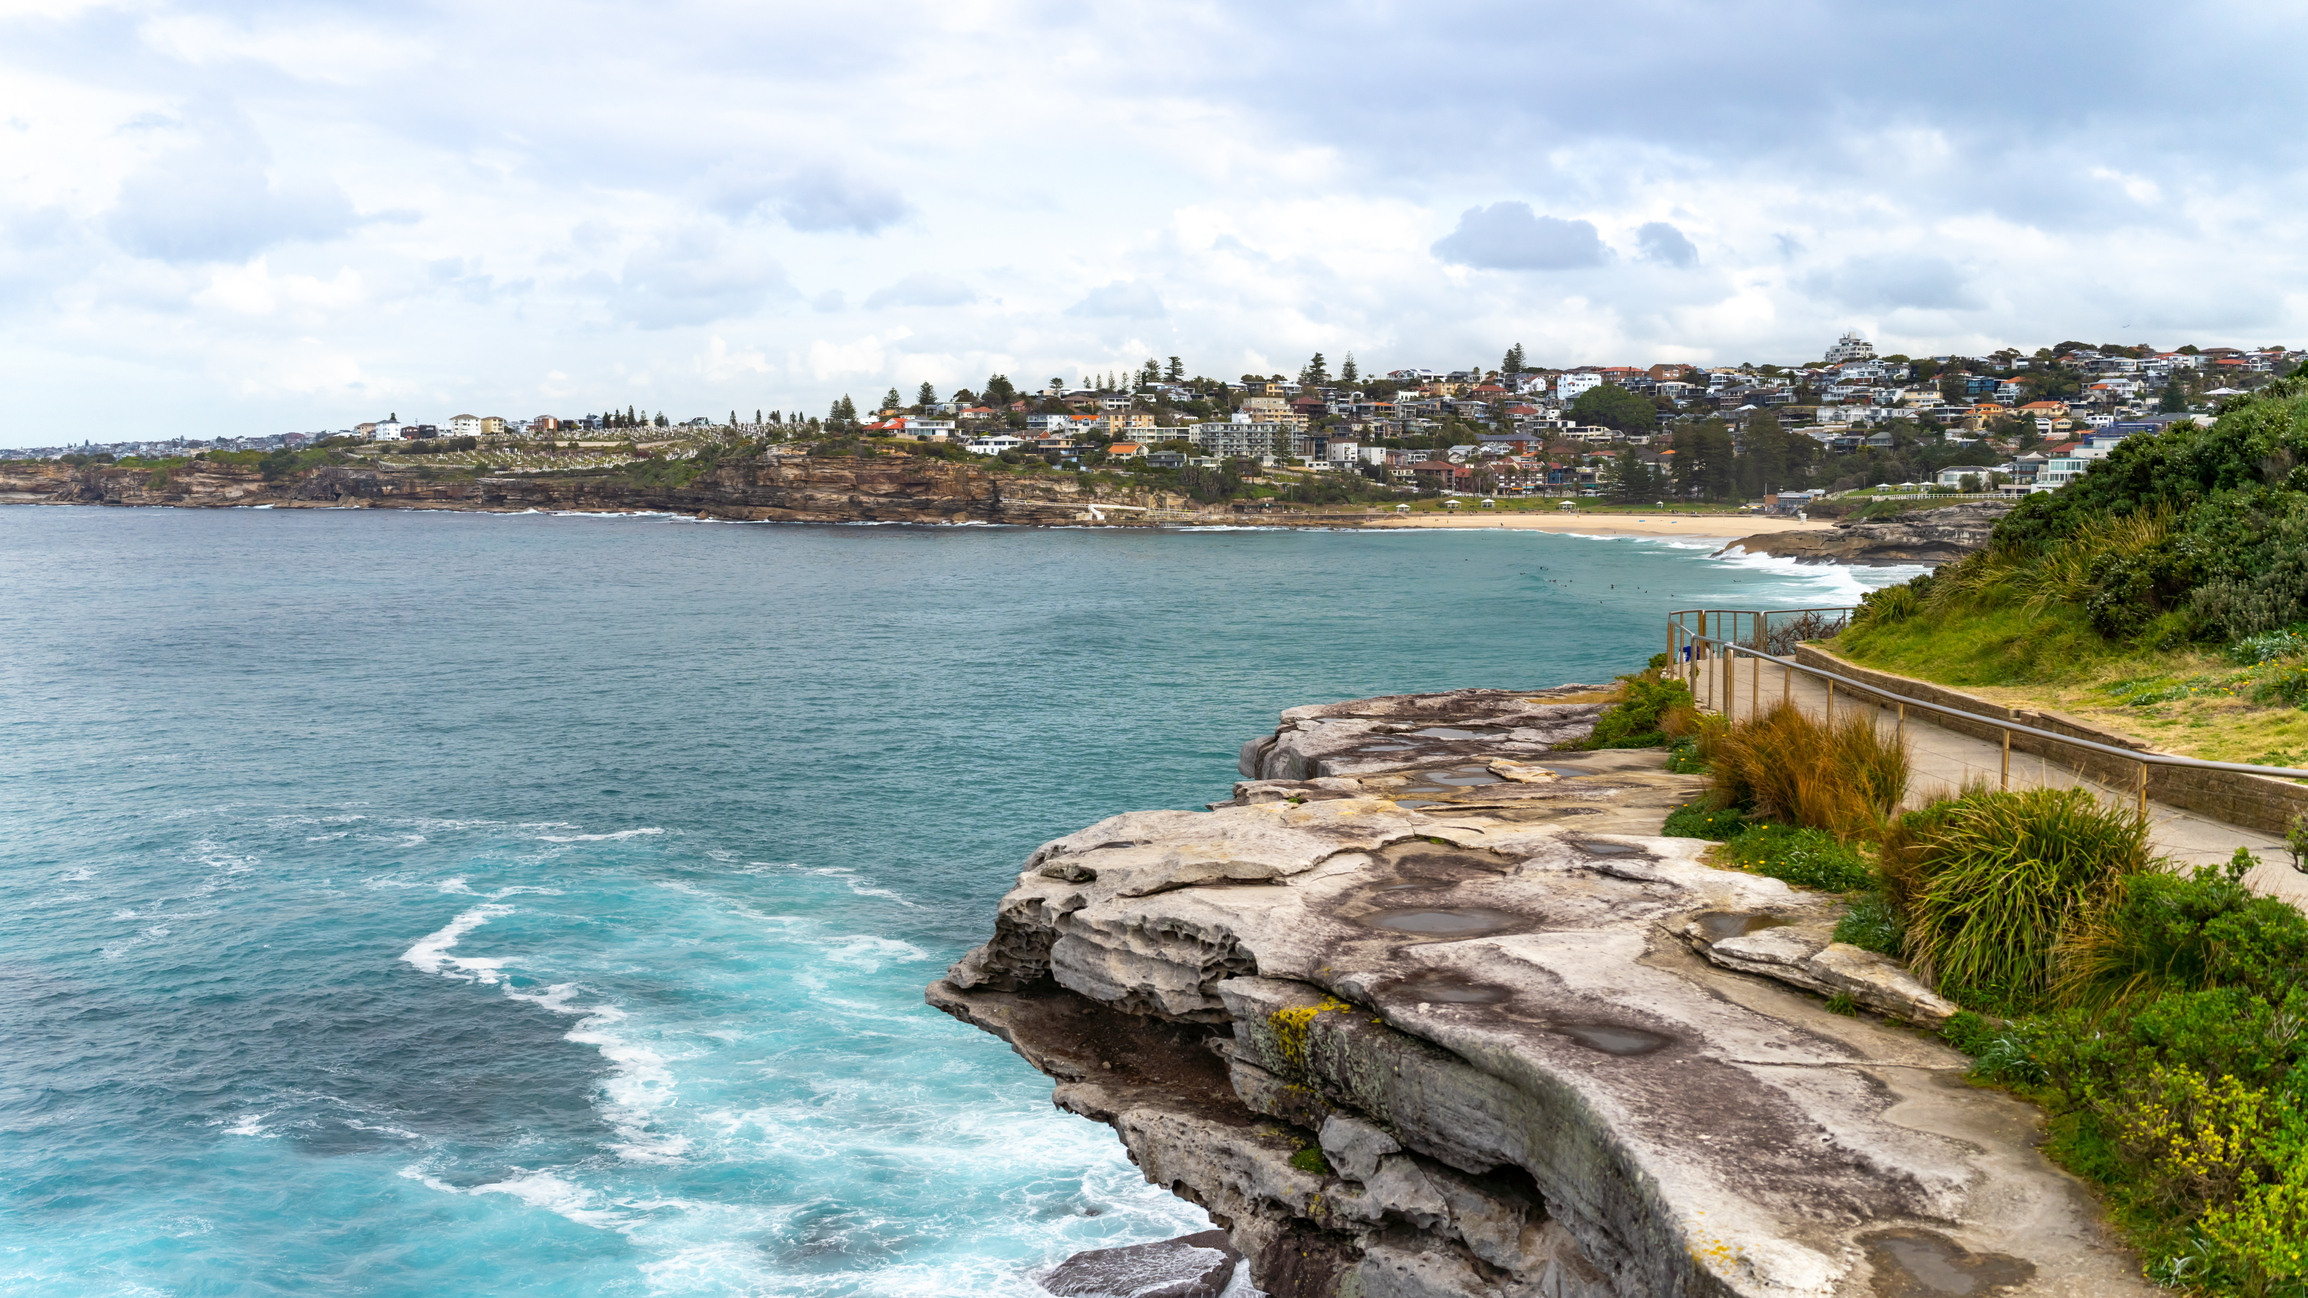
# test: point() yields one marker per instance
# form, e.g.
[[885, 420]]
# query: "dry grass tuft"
[[1846, 779]]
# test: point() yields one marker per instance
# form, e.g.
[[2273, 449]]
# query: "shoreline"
[[1728, 527]]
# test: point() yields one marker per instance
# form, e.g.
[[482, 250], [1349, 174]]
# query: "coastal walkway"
[[1943, 761]]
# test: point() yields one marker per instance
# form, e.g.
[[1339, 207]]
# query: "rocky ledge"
[[1428, 1009], [1930, 536]]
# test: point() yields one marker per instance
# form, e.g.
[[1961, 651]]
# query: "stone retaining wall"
[[2259, 802]]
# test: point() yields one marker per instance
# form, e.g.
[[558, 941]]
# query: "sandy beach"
[[1725, 526]]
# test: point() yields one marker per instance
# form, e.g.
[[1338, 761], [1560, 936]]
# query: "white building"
[[1850, 347], [1569, 386], [994, 445], [1249, 441], [464, 425]]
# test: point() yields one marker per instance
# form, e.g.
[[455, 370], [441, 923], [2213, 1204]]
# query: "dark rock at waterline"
[[1931, 536], [1190, 1266]]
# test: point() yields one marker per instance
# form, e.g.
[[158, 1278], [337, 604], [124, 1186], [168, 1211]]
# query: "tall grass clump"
[[1990, 884], [1845, 779]]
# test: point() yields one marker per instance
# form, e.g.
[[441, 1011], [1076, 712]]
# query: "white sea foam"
[[404, 1134], [431, 953], [598, 838], [639, 1083], [868, 953], [250, 1123]]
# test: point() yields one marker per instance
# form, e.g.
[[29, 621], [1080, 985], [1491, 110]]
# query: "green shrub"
[[2275, 646], [1873, 924], [1698, 820], [1645, 700], [1687, 755], [1807, 858], [1991, 883], [1310, 1159], [2163, 932]]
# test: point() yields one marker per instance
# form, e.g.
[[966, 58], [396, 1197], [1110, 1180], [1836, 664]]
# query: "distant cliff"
[[1931, 536], [787, 488]]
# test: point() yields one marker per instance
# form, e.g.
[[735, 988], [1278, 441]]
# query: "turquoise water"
[[446, 904]]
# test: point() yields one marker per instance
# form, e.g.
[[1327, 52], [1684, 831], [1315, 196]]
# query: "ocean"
[[438, 903]]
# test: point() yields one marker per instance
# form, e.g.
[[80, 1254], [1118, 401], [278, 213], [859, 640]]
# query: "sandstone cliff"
[[1931, 536], [1426, 1009], [787, 488]]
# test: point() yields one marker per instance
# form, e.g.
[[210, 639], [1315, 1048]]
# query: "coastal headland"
[[794, 488], [1430, 1008]]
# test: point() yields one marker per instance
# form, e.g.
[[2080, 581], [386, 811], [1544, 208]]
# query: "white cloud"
[[461, 198], [1509, 236], [923, 289], [1120, 300]]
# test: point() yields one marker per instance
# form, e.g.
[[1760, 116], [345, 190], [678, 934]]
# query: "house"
[[993, 445], [1118, 423], [464, 425], [1440, 474], [1342, 450], [929, 430], [1570, 385], [1125, 450]]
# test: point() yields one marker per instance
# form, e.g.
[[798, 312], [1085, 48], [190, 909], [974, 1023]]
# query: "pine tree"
[[928, 395], [1513, 364], [733, 419], [1347, 373], [1177, 370], [892, 401], [1317, 371]]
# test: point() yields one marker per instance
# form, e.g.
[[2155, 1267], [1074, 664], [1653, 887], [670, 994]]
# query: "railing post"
[[1730, 680], [1830, 702], [2143, 790], [1899, 732], [2007, 757]]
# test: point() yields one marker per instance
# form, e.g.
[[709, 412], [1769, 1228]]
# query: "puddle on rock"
[[1570, 772], [1472, 921], [1923, 1264], [1593, 848], [1720, 924], [1444, 989], [1417, 802], [1451, 732], [1614, 1039], [1388, 748], [1464, 780]]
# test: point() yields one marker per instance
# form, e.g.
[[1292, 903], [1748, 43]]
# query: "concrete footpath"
[[1943, 761]]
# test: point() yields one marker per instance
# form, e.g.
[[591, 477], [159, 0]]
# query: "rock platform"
[[1429, 1009]]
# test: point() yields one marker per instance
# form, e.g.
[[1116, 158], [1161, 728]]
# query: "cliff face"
[[1426, 1010], [781, 488], [1931, 536]]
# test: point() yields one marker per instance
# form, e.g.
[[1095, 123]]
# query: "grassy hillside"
[[2165, 592]]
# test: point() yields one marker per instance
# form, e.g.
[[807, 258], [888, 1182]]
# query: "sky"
[[238, 219]]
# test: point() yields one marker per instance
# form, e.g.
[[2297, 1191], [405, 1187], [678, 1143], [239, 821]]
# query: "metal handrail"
[[1681, 636]]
